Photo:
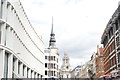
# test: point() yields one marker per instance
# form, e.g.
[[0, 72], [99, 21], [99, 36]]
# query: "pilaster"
[[2, 54]]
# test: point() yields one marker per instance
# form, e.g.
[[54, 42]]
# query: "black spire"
[[52, 37]]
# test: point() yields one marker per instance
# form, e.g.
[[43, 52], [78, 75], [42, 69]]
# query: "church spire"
[[52, 37]]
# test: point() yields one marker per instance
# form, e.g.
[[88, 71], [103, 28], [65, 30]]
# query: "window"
[[118, 57], [51, 65], [54, 66], [67, 76], [117, 41], [35, 75], [23, 70], [116, 23], [51, 57], [19, 67], [66, 60], [54, 73], [57, 60], [14, 63], [67, 67], [31, 73], [54, 58], [45, 72], [45, 65], [38, 76], [41, 76], [6, 65], [27, 72], [45, 57]]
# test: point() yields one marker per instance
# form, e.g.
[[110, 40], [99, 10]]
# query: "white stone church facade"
[[65, 71]]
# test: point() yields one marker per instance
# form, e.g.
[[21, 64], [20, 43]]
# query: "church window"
[[67, 76], [45, 57], [45, 72], [67, 67], [46, 65], [57, 60]]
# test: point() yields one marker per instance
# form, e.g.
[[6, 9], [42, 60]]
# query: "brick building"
[[99, 62], [111, 43]]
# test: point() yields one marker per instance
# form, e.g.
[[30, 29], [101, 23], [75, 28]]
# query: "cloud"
[[78, 24]]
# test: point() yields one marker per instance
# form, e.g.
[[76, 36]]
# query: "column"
[[4, 13], [118, 20], [114, 27], [10, 66], [0, 9], [32, 74], [21, 69], [16, 66], [2, 54], [29, 73], [25, 72], [3, 33]]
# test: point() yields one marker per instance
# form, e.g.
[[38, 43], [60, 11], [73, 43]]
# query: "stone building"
[[76, 71], [65, 68], [83, 73], [88, 70]]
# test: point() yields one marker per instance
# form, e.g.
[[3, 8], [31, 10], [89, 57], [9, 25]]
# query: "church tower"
[[66, 64], [65, 68], [52, 38], [51, 57]]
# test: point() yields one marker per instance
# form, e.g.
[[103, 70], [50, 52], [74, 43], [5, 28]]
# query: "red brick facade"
[[99, 62]]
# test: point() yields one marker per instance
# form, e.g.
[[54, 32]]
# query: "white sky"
[[78, 24]]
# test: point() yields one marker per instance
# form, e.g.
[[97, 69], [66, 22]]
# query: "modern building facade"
[[21, 49], [111, 43], [65, 71], [51, 58], [99, 62]]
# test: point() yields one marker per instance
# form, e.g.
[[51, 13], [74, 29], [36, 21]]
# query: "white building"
[[21, 49], [65, 71], [75, 72], [51, 57], [88, 70]]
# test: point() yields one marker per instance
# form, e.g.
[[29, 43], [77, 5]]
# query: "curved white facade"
[[21, 49]]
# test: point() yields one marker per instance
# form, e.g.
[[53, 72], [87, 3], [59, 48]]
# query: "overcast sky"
[[78, 24]]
